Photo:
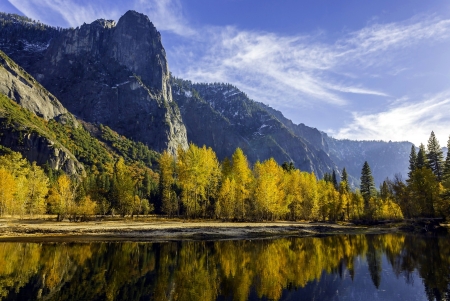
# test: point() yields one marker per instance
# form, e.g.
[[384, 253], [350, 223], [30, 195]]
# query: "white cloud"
[[403, 121]]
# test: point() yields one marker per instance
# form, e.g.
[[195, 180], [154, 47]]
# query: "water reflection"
[[347, 267]]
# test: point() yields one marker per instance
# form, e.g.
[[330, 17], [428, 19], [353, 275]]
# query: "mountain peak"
[[134, 18]]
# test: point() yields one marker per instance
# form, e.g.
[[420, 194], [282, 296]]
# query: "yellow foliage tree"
[[268, 195], [226, 201], [123, 188], [62, 198], [242, 175], [37, 190], [166, 183], [198, 176], [7, 191]]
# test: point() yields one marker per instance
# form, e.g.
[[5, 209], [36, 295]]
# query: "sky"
[[363, 70]]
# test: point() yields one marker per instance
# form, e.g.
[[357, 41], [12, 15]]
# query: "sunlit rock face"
[[117, 75]]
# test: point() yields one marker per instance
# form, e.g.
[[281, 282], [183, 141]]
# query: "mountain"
[[224, 118], [104, 73], [117, 75]]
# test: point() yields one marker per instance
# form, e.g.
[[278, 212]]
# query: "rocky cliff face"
[[20, 87], [224, 118], [39, 149], [117, 75]]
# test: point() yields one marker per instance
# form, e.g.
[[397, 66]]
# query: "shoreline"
[[149, 230]]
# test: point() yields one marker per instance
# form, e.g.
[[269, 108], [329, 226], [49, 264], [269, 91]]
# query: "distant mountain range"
[[117, 75]]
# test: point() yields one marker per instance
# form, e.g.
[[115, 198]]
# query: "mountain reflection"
[[224, 270]]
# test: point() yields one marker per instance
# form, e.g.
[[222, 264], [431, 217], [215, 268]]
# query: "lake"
[[339, 267]]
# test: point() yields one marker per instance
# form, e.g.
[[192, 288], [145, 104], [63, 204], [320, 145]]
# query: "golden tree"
[[7, 191], [166, 184], [242, 175], [268, 194]]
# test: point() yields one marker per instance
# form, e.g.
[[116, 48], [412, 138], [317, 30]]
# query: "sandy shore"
[[163, 229]]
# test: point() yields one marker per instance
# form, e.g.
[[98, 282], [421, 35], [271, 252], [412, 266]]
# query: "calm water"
[[350, 267]]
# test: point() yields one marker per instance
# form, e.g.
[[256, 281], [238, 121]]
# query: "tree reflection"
[[206, 270]]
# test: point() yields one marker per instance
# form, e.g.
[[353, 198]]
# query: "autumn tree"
[[7, 191], [62, 198], [198, 175], [166, 184], [38, 185], [123, 188], [242, 175], [268, 195], [226, 200]]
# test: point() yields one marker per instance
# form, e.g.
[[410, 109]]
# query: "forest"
[[194, 184]]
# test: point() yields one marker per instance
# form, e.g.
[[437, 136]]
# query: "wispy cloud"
[[403, 121], [165, 14], [301, 68]]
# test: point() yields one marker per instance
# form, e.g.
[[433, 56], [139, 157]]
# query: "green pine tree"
[[344, 180], [367, 186], [334, 180], [435, 157], [412, 161], [422, 161]]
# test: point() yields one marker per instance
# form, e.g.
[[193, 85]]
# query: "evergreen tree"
[[334, 180], [435, 157], [384, 190], [344, 181], [412, 161], [422, 161], [288, 166], [367, 186]]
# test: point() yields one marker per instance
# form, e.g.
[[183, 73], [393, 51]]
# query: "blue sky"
[[354, 69]]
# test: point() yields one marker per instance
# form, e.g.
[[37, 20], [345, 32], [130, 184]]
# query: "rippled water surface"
[[347, 267]]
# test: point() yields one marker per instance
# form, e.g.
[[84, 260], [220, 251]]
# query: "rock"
[[26, 91], [41, 150]]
